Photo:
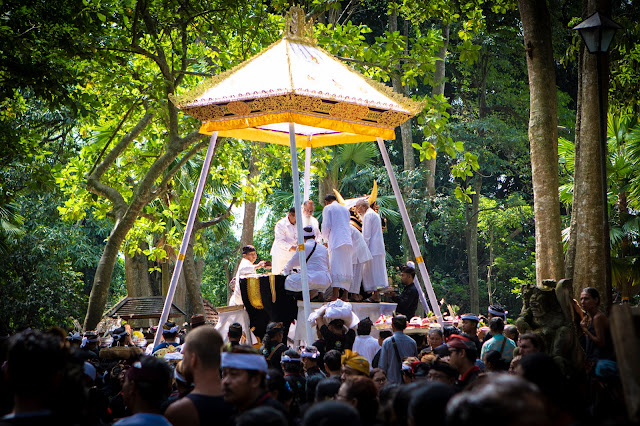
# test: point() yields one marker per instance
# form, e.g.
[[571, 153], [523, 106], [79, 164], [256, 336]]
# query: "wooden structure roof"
[[142, 308]]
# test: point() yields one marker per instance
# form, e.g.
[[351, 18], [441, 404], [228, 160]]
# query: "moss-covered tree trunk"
[[591, 237], [543, 138]]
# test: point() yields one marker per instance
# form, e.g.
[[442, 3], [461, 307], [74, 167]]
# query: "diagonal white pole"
[[301, 252], [412, 237], [307, 174], [186, 237]]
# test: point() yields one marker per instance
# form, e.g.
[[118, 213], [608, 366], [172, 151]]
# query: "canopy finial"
[[297, 27]]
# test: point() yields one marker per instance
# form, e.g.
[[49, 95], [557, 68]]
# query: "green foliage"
[[47, 272]]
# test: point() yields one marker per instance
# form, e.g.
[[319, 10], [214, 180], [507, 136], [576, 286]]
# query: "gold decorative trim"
[[253, 290], [272, 284]]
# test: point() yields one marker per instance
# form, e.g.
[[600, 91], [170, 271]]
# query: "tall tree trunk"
[[192, 281], [543, 138], [136, 269], [396, 81], [249, 221], [591, 245], [438, 89], [570, 256], [471, 239], [104, 271]]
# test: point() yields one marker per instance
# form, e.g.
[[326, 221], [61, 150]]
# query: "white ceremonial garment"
[[366, 346], [244, 268], [285, 237], [337, 231], [317, 268], [313, 222], [335, 225], [374, 273], [360, 256]]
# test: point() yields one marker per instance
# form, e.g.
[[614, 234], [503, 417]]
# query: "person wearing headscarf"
[[310, 356], [169, 335], [272, 346], [146, 387], [317, 259], [244, 380], [353, 364]]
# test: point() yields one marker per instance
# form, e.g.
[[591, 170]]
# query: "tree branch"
[[113, 135], [167, 178], [202, 74], [208, 223], [93, 179]]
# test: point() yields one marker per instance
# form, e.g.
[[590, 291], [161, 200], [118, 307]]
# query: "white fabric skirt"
[[279, 260], [374, 274], [341, 267], [357, 277]]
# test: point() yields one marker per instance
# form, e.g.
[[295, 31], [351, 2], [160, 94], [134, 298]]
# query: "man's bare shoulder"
[[182, 412]]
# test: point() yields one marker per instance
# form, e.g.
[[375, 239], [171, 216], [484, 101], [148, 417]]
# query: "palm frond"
[[616, 234]]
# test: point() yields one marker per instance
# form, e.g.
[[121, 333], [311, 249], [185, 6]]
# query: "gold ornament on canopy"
[[294, 80]]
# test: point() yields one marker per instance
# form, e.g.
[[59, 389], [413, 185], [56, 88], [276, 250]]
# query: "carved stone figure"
[[549, 310]]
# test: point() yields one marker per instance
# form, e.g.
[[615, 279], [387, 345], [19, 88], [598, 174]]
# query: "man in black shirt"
[[335, 334], [201, 363], [408, 300]]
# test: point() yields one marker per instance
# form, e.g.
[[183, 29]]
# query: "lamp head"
[[597, 32]]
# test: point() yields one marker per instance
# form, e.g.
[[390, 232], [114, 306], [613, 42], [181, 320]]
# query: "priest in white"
[[317, 266], [247, 267], [285, 241], [374, 273], [336, 230], [309, 220], [360, 257]]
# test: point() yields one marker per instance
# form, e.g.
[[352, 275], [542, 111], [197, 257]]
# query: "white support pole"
[[301, 252], [186, 237], [412, 237], [307, 174]]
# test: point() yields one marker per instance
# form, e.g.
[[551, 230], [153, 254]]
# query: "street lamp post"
[[597, 32]]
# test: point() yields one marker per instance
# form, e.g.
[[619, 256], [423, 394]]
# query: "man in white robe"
[[309, 220], [374, 273], [336, 230], [247, 267], [317, 266], [285, 241], [360, 257]]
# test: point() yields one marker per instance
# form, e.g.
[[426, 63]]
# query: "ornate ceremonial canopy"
[[296, 81], [294, 93]]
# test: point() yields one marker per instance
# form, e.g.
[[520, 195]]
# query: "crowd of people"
[[455, 376]]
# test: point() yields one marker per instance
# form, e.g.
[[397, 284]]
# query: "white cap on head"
[[308, 232]]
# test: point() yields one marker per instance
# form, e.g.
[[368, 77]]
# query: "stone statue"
[[550, 311]]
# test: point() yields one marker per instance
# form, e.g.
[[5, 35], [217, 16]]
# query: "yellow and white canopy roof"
[[296, 81]]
